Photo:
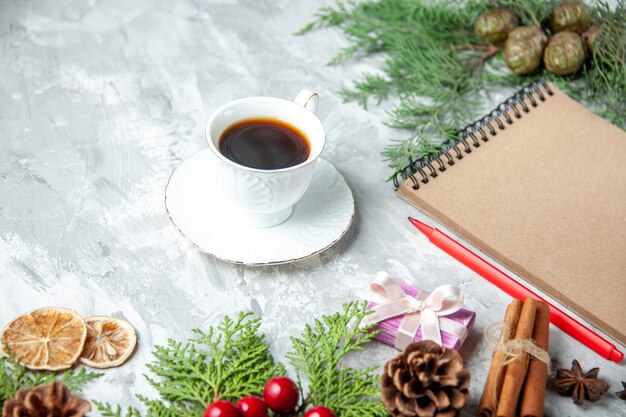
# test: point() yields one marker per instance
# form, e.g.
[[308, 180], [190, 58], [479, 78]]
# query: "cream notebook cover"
[[545, 196]]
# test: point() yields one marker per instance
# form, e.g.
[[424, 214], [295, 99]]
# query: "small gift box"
[[406, 314]]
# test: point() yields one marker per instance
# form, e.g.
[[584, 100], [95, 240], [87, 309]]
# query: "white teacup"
[[265, 198]]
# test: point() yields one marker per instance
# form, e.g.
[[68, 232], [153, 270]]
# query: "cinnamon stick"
[[493, 385], [516, 370], [534, 392]]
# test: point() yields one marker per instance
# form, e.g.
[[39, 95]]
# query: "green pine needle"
[[318, 354], [440, 74], [15, 377], [233, 361], [108, 411], [227, 362]]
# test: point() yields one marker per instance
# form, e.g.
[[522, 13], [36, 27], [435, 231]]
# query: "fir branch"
[[607, 75], [440, 73], [371, 86], [530, 12], [326, 16], [228, 362], [233, 360], [106, 410], [15, 377], [77, 378], [318, 354], [155, 408]]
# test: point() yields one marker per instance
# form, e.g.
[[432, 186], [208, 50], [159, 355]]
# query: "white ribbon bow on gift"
[[427, 311]]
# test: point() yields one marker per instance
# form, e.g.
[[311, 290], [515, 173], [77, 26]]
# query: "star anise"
[[622, 394], [580, 385]]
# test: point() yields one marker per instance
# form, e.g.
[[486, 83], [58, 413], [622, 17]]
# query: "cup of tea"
[[266, 150]]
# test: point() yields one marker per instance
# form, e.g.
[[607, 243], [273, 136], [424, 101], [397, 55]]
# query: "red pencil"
[[501, 280]]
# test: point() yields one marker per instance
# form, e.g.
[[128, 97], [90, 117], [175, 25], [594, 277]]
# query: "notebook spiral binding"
[[468, 136]]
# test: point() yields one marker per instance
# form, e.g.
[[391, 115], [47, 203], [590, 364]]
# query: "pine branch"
[[607, 75], [233, 360], [15, 377], [318, 354], [226, 363], [108, 411], [530, 12], [441, 73], [157, 408]]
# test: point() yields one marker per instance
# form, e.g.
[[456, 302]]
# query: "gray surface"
[[101, 100]]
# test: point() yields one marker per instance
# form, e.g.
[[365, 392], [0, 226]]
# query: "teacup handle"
[[308, 99]]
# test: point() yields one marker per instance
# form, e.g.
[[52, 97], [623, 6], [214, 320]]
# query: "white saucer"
[[196, 208]]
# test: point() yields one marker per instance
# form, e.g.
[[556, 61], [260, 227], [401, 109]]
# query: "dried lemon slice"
[[109, 343], [46, 339]]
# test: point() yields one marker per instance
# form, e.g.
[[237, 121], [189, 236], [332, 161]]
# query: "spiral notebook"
[[539, 185]]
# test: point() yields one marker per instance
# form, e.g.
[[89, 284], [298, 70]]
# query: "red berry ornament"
[[252, 407], [222, 408], [281, 394], [319, 411]]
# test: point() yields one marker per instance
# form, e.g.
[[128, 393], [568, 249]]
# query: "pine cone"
[[524, 48], [532, 34], [425, 381], [53, 400], [494, 25], [565, 53], [570, 15]]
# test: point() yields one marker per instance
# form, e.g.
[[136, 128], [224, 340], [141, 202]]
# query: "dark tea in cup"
[[264, 143]]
